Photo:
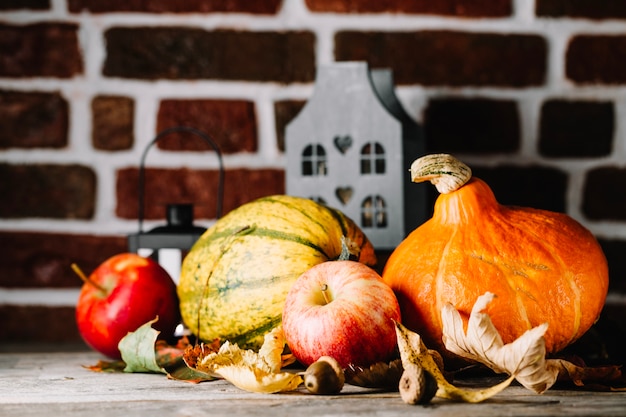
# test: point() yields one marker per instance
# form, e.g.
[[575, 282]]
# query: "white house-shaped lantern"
[[351, 147]]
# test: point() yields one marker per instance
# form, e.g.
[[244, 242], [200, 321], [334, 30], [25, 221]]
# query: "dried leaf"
[[193, 353], [167, 356], [137, 349], [172, 358], [413, 351], [379, 375], [272, 349], [601, 378], [146, 354], [251, 371], [106, 366], [523, 359]]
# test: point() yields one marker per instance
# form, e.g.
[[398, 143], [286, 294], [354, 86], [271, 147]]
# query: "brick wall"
[[529, 93]]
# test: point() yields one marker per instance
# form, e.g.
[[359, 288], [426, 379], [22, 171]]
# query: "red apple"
[[344, 310], [123, 293]]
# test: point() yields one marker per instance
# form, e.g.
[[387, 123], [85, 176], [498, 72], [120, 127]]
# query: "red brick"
[[231, 124], [163, 186], [284, 112], [449, 58], [40, 50], [189, 53], [47, 191], [245, 185], [596, 59], [264, 7], [576, 128], [112, 128], [39, 325], [461, 8], [603, 195], [471, 125], [588, 9], [527, 186], [33, 120], [25, 4], [38, 259]]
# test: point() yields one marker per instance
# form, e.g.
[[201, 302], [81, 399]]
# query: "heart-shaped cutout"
[[344, 194], [343, 143]]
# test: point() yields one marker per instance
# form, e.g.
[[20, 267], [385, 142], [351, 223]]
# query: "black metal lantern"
[[167, 243]]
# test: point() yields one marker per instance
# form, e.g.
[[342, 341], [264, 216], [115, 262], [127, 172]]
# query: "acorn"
[[324, 377], [417, 386]]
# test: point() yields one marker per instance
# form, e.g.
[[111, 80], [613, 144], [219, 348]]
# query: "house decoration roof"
[[351, 146]]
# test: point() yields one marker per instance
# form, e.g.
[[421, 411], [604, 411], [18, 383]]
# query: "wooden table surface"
[[50, 384]]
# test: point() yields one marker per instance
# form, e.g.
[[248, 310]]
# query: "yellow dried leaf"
[[253, 379], [251, 371], [272, 349]]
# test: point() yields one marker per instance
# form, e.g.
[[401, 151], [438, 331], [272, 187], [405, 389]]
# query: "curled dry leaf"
[[193, 353], [107, 366], [380, 375], [252, 371], [137, 349], [414, 352], [600, 378], [272, 350], [524, 358], [143, 352]]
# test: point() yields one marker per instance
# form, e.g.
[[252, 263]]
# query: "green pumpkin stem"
[[349, 250], [444, 171]]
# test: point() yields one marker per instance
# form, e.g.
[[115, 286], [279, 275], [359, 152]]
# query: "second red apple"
[[341, 309]]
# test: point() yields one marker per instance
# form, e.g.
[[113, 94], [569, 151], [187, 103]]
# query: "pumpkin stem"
[[325, 293], [349, 250], [444, 171]]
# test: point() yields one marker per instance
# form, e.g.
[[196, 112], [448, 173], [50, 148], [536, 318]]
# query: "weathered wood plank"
[[36, 384]]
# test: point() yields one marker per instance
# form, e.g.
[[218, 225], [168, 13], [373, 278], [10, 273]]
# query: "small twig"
[[86, 280]]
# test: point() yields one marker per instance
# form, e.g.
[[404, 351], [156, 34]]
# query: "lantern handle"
[[159, 136]]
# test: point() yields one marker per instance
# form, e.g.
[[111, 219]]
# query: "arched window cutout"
[[373, 158], [314, 161], [374, 212]]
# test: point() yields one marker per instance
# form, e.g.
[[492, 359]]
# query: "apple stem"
[[325, 293], [85, 279]]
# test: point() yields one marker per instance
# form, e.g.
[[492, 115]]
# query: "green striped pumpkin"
[[235, 279]]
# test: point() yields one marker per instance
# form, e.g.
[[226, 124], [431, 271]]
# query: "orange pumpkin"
[[543, 266]]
